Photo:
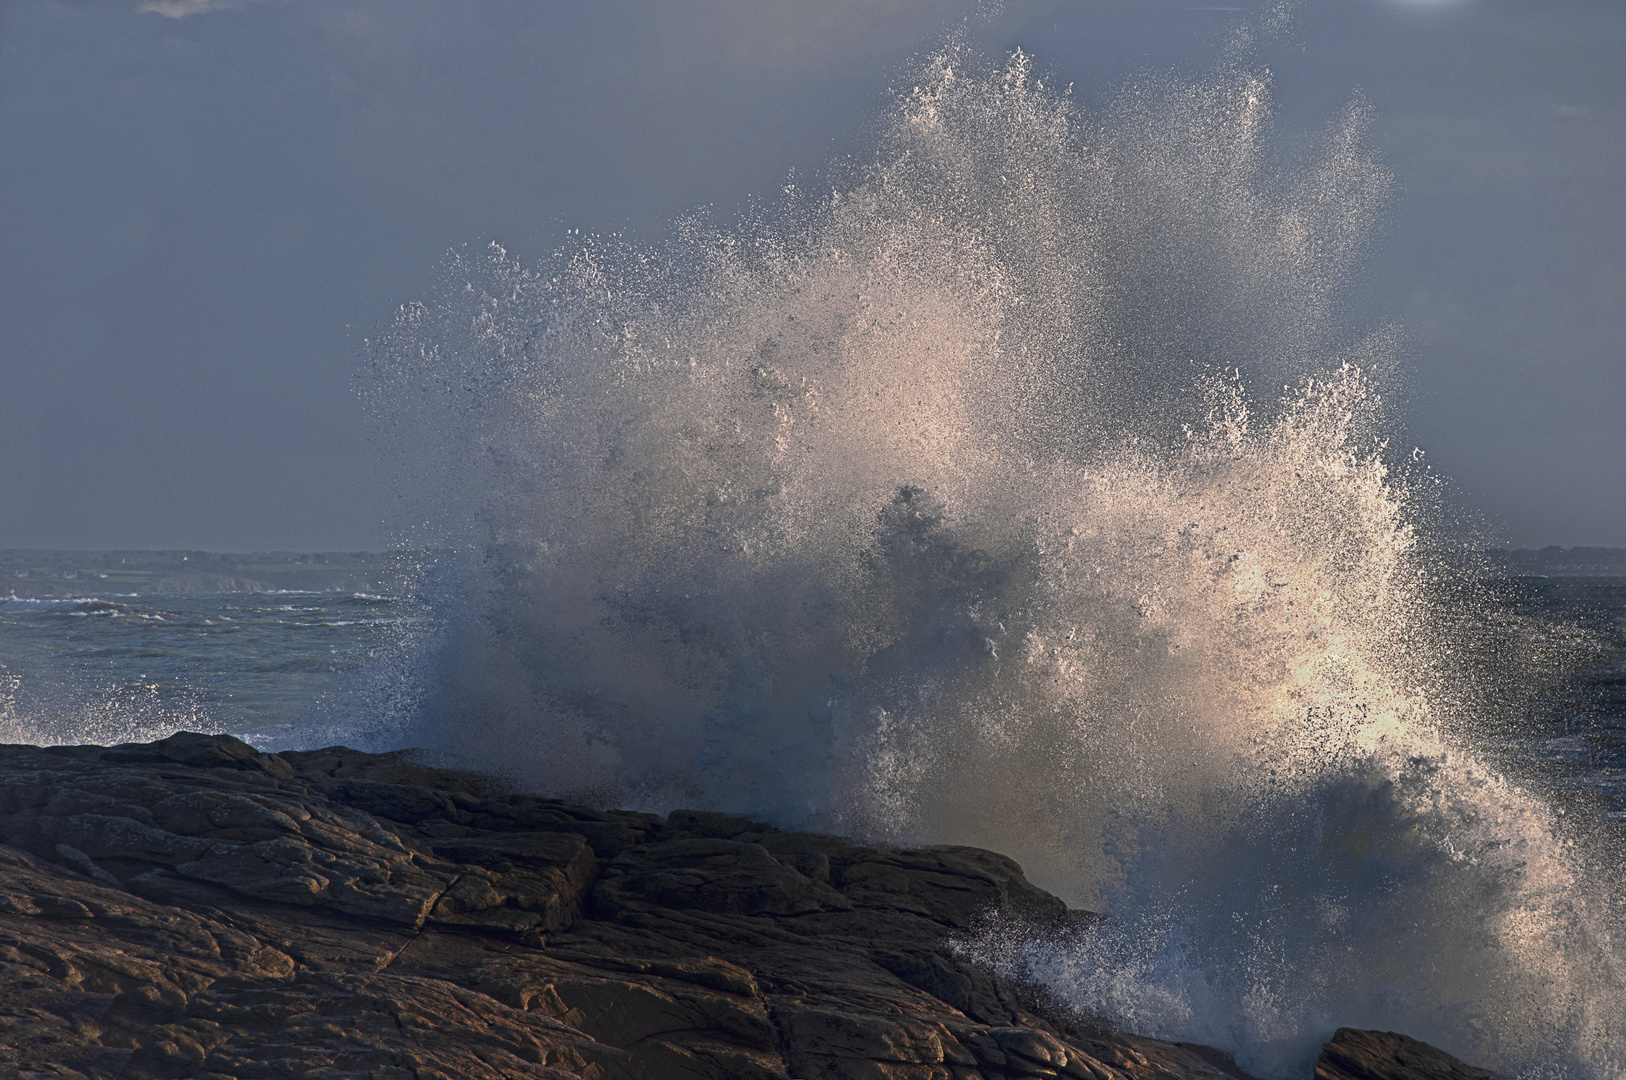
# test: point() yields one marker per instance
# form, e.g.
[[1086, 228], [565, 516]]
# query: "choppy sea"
[[278, 669], [267, 667], [1572, 740]]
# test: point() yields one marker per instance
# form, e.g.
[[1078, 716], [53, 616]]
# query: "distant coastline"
[[36, 573], [1555, 561], [44, 573]]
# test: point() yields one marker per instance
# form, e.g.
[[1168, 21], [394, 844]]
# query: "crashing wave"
[[1023, 491]]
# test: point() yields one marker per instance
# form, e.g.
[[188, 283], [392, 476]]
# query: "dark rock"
[[398, 802], [725, 876], [535, 882], [1387, 1055], [954, 886], [194, 908], [200, 751]]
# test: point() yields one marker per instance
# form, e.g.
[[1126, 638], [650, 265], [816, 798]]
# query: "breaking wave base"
[[1024, 490]]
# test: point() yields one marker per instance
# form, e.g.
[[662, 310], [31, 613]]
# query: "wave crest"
[[1022, 491]]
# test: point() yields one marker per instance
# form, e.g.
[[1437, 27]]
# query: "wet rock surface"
[[1386, 1055], [194, 908]]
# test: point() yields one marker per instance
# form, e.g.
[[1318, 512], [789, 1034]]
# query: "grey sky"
[[202, 216]]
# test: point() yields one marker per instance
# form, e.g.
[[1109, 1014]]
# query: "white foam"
[[1022, 492], [48, 603]]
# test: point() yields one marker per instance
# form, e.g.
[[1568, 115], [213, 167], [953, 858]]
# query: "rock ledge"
[[195, 908]]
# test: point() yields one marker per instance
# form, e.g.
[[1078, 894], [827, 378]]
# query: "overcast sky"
[[204, 208]]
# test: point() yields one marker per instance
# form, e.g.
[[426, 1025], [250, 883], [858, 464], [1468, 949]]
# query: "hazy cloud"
[[179, 9]]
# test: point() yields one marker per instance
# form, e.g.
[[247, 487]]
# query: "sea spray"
[[45, 705], [1023, 490]]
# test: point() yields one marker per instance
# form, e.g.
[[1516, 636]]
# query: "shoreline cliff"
[[195, 908]]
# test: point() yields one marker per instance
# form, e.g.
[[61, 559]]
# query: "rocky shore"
[[195, 908]]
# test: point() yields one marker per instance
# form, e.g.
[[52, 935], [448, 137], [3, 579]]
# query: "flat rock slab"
[[195, 908]]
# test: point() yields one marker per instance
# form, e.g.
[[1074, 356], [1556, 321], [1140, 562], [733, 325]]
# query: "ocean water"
[[1568, 739], [267, 667], [284, 669], [1021, 483]]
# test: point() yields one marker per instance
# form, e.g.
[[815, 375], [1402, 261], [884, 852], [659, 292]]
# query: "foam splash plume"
[[1024, 492], [42, 711]]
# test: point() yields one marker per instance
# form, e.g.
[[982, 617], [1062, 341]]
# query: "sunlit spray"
[[1022, 490]]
